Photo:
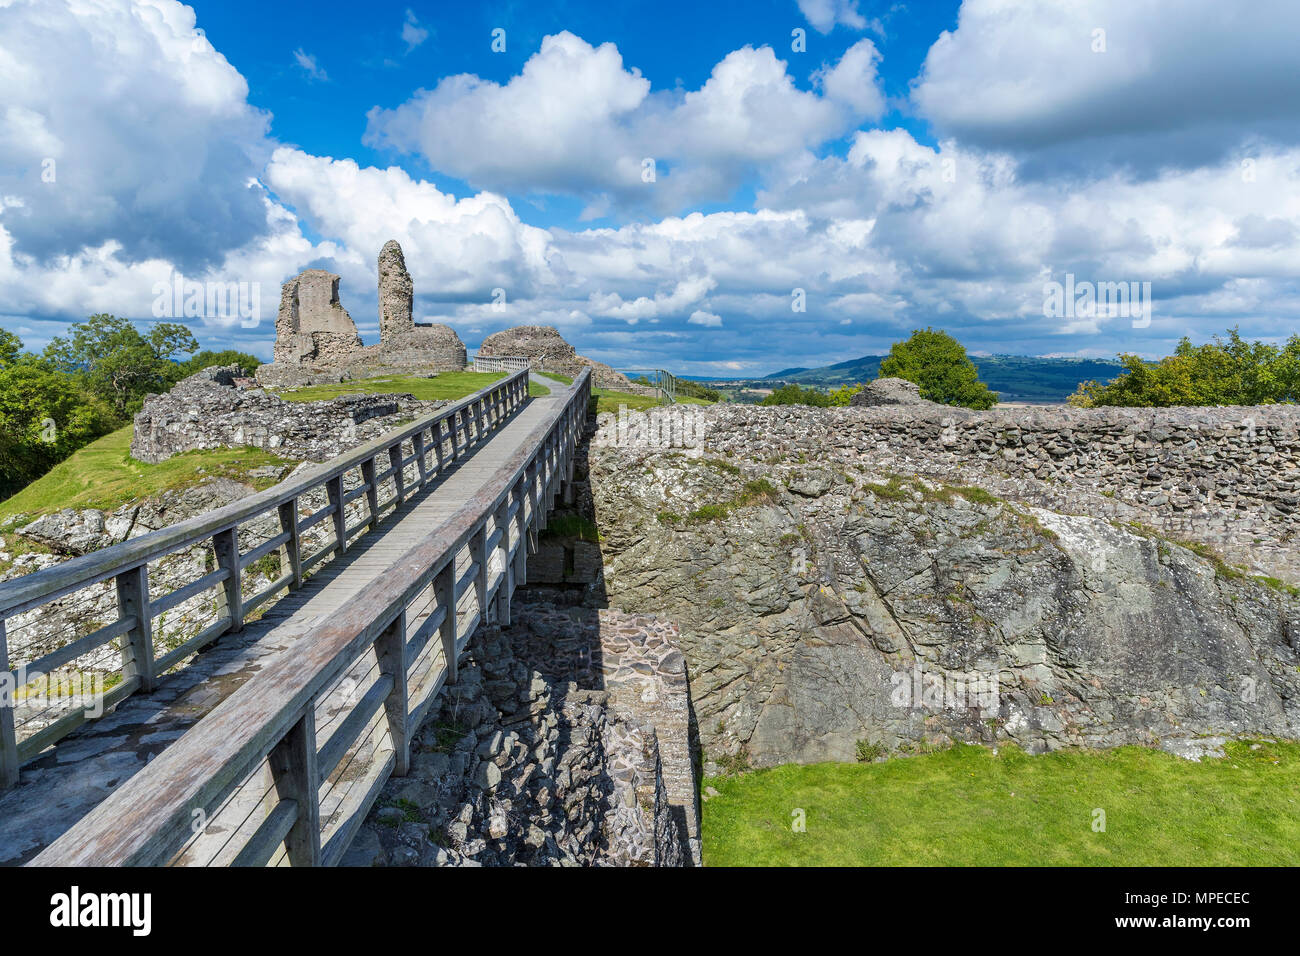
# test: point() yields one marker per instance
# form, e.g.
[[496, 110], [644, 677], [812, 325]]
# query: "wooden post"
[[334, 487], [137, 644], [399, 479], [437, 446], [8, 733], [478, 554], [444, 587], [390, 648], [422, 466], [294, 771], [521, 533], [231, 598], [292, 549], [456, 421], [372, 491], [506, 588]]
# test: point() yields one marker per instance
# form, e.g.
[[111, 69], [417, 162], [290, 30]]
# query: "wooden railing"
[[285, 769], [98, 617], [501, 363], [657, 382]]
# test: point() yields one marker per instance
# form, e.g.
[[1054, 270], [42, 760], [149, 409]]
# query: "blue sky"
[[916, 164]]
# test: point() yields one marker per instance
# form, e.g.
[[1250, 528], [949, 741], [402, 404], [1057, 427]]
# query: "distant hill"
[[1016, 378]]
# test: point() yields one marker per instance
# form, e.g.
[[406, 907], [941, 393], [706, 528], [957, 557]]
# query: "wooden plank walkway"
[[59, 788]]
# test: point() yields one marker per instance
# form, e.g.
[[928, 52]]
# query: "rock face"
[[890, 391], [208, 410], [548, 350], [396, 293], [312, 327], [827, 597], [316, 341]]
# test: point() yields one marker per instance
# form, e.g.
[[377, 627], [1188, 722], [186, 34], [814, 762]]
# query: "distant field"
[[446, 386], [968, 807]]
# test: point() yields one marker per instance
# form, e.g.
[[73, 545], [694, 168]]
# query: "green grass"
[[104, 475], [968, 807], [446, 386]]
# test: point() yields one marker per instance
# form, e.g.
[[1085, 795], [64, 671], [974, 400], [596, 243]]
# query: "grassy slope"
[[444, 387], [967, 806], [104, 475]]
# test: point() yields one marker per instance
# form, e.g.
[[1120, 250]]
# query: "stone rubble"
[[523, 766]]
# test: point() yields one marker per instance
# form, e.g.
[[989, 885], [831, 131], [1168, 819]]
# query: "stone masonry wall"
[[1227, 477], [207, 410]]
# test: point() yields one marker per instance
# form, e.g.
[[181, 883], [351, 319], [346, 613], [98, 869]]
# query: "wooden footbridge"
[[270, 746]]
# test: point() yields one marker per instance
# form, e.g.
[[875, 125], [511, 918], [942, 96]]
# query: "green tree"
[[793, 394], [45, 415], [117, 363], [1227, 371], [937, 362], [208, 358]]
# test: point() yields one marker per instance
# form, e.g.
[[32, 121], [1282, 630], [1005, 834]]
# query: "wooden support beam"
[[399, 479], [372, 491], [230, 599], [390, 648], [478, 554], [421, 464], [444, 588], [137, 643], [292, 549], [507, 586], [295, 776], [334, 488], [8, 733]]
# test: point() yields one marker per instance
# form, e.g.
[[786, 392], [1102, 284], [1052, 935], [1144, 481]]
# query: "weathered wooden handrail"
[[267, 735], [460, 426]]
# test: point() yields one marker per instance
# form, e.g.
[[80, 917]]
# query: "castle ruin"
[[316, 340]]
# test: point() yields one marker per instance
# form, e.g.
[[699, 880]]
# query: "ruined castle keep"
[[316, 340]]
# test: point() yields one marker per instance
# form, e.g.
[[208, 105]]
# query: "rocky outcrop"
[[208, 410], [549, 352], [827, 599], [889, 391]]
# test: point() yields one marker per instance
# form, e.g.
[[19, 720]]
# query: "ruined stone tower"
[[312, 326], [396, 293]]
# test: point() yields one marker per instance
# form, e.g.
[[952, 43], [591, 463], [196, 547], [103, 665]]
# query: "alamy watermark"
[[182, 298], [1086, 300], [950, 690], [55, 691], [671, 426]]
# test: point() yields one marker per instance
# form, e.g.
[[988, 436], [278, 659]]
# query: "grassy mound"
[[104, 475], [967, 806], [446, 386]]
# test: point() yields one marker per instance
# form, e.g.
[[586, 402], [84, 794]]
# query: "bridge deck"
[[57, 790]]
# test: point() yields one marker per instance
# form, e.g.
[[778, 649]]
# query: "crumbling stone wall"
[[549, 352], [312, 327], [207, 410]]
